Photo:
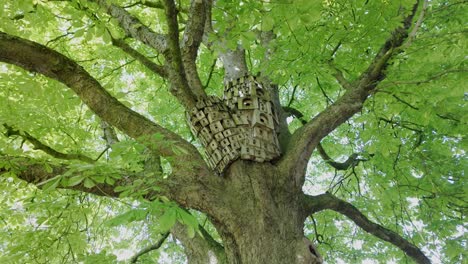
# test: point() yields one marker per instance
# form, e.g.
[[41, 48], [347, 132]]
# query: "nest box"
[[239, 126]]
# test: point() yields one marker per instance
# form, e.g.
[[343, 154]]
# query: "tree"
[[96, 154]]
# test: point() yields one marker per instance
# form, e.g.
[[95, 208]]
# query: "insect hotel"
[[242, 125]]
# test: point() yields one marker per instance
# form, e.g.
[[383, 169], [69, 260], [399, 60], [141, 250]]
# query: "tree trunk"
[[260, 221]]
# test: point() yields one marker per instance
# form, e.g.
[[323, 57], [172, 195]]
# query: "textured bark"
[[199, 249], [234, 64], [259, 220]]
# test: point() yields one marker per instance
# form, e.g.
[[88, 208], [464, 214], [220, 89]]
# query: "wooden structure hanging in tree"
[[242, 125]]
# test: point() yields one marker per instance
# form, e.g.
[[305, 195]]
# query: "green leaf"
[[267, 22], [52, 184], [73, 181], [167, 220], [187, 218], [80, 32], [88, 183], [99, 178], [48, 168], [110, 180], [128, 217], [121, 188]]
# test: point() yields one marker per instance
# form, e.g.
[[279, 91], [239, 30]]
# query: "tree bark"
[[260, 221]]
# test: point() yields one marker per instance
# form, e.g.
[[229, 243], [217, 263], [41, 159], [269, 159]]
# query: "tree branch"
[[190, 172], [36, 173], [166, 45], [417, 25], [109, 134], [306, 138], [198, 248], [193, 36], [180, 86], [34, 57], [234, 63], [296, 113], [41, 146], [150, 248], [427, 80], [158, 69], [314, 204], [134, 27], [208, 22], [339, 76], [194, 30], [154, 4], [352, 160]]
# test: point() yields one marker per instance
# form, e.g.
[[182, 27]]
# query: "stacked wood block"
[[240, 126]]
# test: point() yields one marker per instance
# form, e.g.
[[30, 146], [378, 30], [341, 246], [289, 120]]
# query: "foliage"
[[411, 134]]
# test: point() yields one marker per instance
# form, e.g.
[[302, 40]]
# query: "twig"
[[418, 82], [417, 25], [150, 248], [339, 76], [292, 95], [158, 69], [41, 146], [352, 160], [329, 100], [211, 73]]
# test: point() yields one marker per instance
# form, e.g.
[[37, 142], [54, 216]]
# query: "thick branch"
[[193, 35], [190, 171], [38, 58], [350, 162], [199, 249], [305, 139], [134, 27], [158, 69], [150, 248], [166, 45], [234, 63], [328, 201], [154, 4], [194, 30], [291, 111], [208, 22], [41, 146], [180, 85], [204, 248]]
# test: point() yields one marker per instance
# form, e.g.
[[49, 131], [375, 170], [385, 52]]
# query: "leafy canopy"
[[410, 136]]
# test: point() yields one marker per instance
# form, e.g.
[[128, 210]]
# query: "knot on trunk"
[[314, 256]]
